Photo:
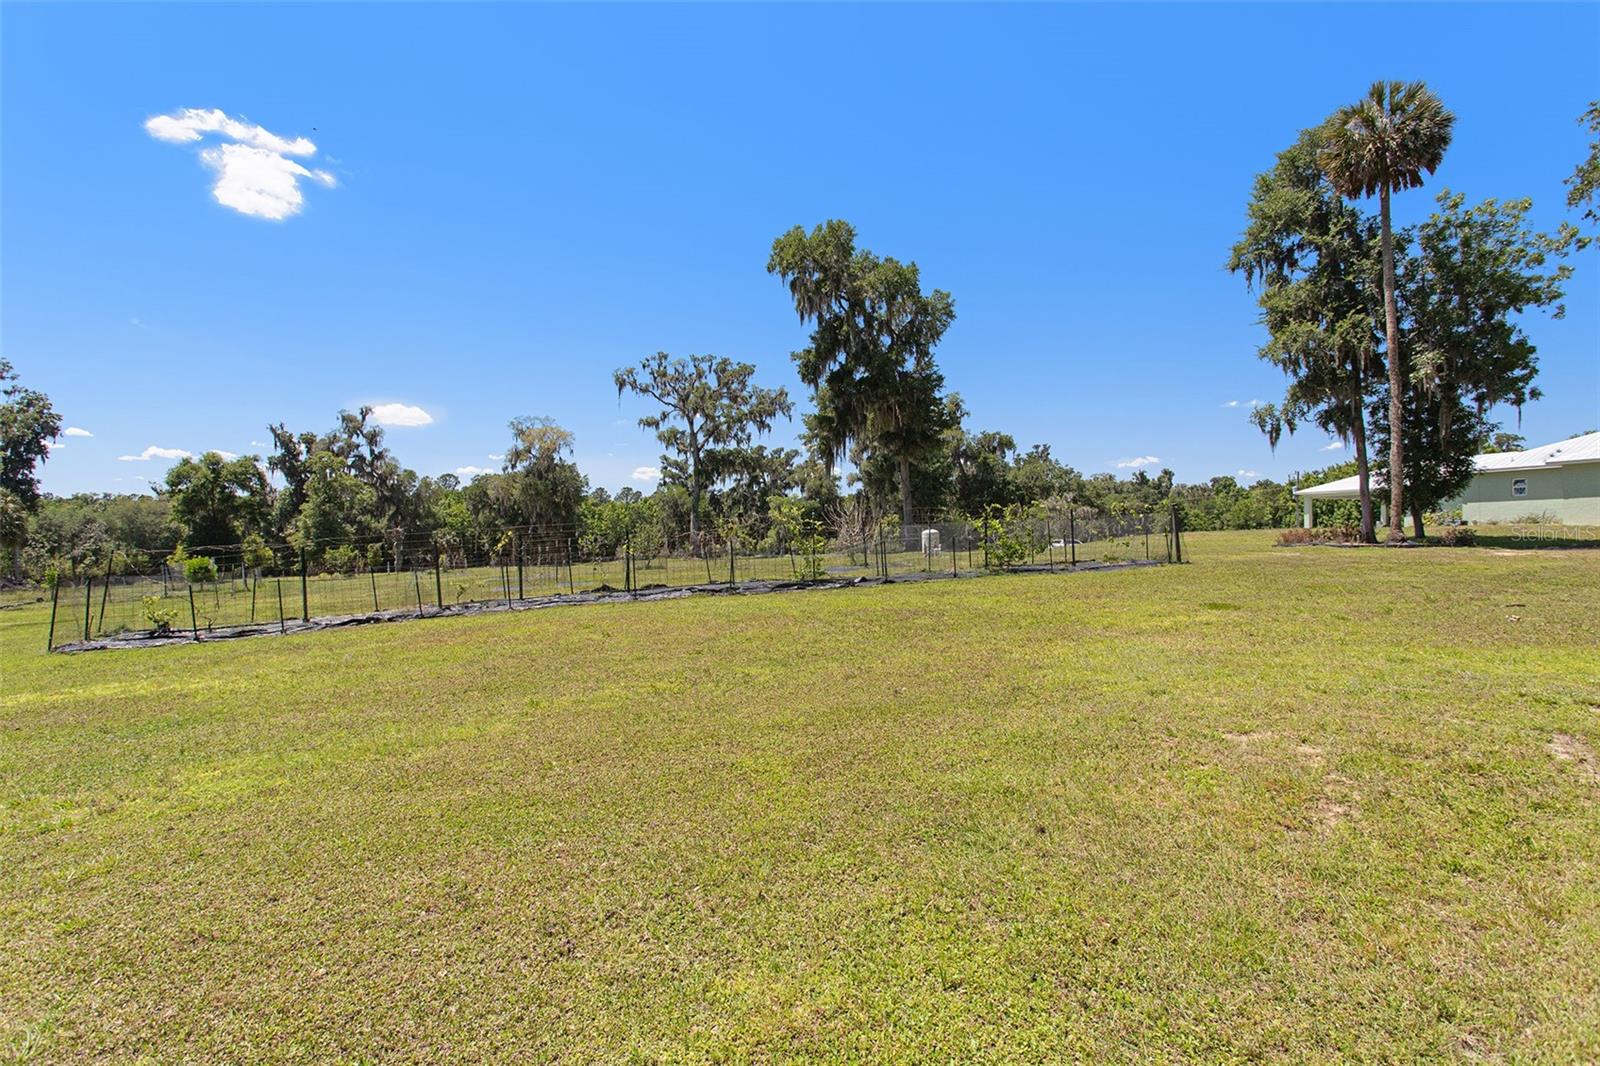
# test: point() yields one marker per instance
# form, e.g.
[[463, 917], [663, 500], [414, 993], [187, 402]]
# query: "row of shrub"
[[1449, 536]]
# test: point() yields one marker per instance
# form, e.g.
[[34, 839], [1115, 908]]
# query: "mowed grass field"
[[1281, 804]]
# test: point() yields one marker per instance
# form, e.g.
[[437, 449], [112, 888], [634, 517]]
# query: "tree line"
[[1418, 328], [340, 492]]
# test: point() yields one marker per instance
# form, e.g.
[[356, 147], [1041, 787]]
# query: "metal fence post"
[[373, 576], [194, 621], [55, 597], [305, 598], [1049, 544], [1177, 528], [105, 592], [732, 577], [517, 546], [416, 579], [438, 583], [282, 626], [1072, 532]]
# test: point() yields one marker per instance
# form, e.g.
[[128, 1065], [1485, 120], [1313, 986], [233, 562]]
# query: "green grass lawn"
[[1283, 804]]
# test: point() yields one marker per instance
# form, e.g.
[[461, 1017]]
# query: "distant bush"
[[256, 554], [1347, 533], [1453, 536], [1537, 518], [810, 545], [342, 559], [1446, 535], [1009, 535], [1340, 534], [161, 615], [198, 569]]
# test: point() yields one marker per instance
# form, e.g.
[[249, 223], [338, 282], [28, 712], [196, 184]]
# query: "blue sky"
[[505, 203]]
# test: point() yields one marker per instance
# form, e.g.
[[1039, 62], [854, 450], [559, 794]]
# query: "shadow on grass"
[[1533, 542]]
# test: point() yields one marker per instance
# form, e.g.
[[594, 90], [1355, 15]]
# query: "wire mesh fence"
[[208, 590]]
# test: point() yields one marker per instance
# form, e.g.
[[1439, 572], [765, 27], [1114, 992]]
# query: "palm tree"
[[1379, 145]]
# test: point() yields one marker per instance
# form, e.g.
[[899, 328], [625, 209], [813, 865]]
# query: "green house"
[[1558, 482]]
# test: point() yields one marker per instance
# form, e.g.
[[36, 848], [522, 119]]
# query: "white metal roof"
[[1584, 449], [1346, 488]]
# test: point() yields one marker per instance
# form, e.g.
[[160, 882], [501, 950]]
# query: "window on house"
[[1519, 486]]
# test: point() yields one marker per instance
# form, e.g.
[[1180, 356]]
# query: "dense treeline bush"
[[341, 496]]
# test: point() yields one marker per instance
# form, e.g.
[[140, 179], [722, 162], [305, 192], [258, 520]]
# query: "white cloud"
[[254, 181], [156, 452], [1242, 403], [255, 175], [496, 458], [1334, 446], [192, 123], [74, 431], [645, 473], [259, 444], [226, 455], [1231, 403], [471, 471], [53, 445], [1245, 473], [1136, 462], [400, 414]]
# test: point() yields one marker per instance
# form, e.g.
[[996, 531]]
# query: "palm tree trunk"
[[1364, 476], [1391, 322]]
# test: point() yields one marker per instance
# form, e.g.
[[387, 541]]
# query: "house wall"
[[1570, 493]]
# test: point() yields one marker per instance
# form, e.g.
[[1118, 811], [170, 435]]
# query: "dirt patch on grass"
[[1336, 804], [1330, 813], [1331, 808], [1568, 748]]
